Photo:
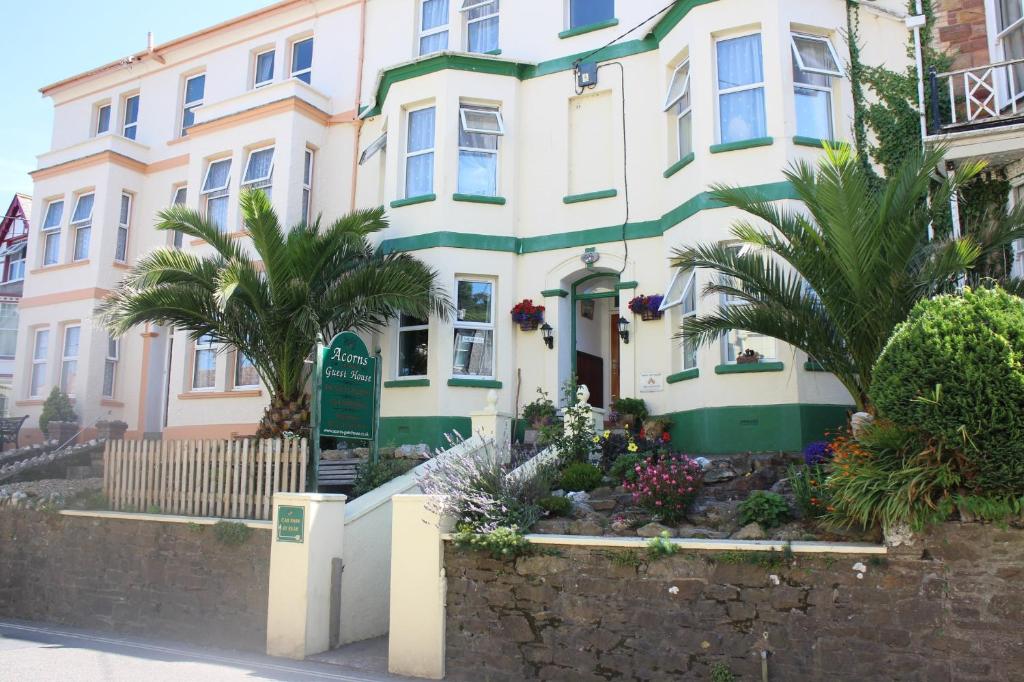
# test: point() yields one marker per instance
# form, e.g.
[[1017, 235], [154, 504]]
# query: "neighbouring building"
[[979, 112], [13, 242], [500, 166]]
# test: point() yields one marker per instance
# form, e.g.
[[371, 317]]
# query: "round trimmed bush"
[[953, 370], [580, 476]]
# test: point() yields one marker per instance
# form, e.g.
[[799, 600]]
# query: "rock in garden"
[[719, 474], [751, 531], [602, 493], [587, 526], [716, 514], [552, 526], [653, 530], [603, 505], [699, 533]]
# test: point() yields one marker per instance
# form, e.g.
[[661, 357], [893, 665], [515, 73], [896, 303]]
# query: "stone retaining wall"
[[950, 607], [147, 578]]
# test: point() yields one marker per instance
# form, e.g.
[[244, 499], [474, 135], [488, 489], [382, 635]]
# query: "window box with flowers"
[[527, 315], [647, 307]]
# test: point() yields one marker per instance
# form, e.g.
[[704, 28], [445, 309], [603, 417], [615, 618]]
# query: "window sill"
[[678, 165], [741, 144], [30, 402], [685, 375], [110, 402], [200, 394], [493, 53], [815, 142], [59, 266], [589, 196], [421, 199], [812, 366], [474, 383], [580, 30], [407, 383], [121, 265], [750, 368], [479, 199]]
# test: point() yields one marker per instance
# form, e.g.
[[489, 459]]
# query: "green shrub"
[[231, 532], [661, 546], [56, 408], [634, 406], [953, 371], [720, 672], [501, 543], [581, 476], [765, 508], [372, 475], [541, 411], [624, 468], [556, 506]]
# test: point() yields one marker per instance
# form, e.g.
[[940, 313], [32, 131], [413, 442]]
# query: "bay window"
[[479, 129], [204, 364], [677, 101], [178, 199], [682, 294], [419, 157], [307, 184], [130, 129], [81, 225], [481, 25], [215, 192], [815, 63], [474, 329], [263, 68], [16, 264], [1009, 42], [102, 119], [195, 89], [741, 113], [302, 60], [245, 372], [737, 341], [8, 329], [69, 359], [413, 346], [587, 12], [110, 366], [433, 26], [51, 232], [40, 353]]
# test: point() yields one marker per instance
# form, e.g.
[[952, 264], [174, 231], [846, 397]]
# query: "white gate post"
[[306, 538], [489, 423], [416, 637]]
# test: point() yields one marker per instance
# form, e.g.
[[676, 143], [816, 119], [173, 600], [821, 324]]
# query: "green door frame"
[[588, 297]]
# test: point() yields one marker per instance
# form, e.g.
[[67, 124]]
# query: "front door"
[[590, 372]]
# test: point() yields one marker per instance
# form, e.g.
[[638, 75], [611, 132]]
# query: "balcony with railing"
[[982, 97]]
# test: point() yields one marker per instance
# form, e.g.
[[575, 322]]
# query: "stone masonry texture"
[[144, 578], [961, 32], [947, 608]]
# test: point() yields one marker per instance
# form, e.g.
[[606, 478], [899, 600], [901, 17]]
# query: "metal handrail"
[[1008, 62]]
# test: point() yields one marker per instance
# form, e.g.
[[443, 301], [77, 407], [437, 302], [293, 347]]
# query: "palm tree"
[[835, 276], [273, 302]]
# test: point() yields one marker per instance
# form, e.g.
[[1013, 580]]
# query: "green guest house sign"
[[348, 389]]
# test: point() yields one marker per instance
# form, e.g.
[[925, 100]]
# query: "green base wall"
[[395, 431], [754, 428]]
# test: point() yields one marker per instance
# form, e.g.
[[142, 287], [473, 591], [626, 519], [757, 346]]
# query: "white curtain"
[[83, 208], [259, 165], [217, 175], [483, 33], [419, 169], [741, 112], [434, 15]]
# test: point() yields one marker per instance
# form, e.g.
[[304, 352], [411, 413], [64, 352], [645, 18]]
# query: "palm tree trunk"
[[285, 414]]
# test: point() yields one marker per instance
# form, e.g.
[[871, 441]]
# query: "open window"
[[481, 120], [682, 293], [374, 147], [815, 54], [478, 150], [679, 86], [259, 170], [215, 192], [677, 102]]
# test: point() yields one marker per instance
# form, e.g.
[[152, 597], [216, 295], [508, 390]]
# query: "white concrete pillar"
[[416, 639], [490, 424], [307, 537]]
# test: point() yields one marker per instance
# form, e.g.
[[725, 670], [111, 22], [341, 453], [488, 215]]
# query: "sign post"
[[347, 392]]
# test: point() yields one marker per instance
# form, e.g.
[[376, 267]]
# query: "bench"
[[339, 471], [9, 428]]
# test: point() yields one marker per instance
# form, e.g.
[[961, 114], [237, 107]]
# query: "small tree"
[[57, 408]]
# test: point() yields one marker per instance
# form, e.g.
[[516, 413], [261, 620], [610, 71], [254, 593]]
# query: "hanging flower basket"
[[527, 315], [647, 307]]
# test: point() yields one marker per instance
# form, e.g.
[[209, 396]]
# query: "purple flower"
[[817, 452]]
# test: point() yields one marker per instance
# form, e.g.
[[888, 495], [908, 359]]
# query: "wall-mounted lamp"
[[624, 329], [549, 336]]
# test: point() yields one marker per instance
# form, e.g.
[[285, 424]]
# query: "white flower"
[[859, 567], [673, 590], [774, 579]]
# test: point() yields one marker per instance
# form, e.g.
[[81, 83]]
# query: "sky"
[[48, 40]]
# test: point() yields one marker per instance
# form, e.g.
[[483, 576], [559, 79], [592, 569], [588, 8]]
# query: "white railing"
[[983, 94]]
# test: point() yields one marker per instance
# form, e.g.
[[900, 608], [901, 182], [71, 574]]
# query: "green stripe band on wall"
[[772, 191], [589, 196], [395, 431], [750, 368], [407, 383], [474, 383]]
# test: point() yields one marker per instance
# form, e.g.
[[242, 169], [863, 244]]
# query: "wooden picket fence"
[[219, 478]]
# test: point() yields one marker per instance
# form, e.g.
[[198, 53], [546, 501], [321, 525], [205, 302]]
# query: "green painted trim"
[[773, 191], [493, 53], [754, 428], [812, 366], [750, 368], [595, 296], [580, 30], [741, 144], [626, 285], [589, 196], [549, 293], [524, 71], [406, 383], [423, 198], [678, 165], [395, 431], [685, 375], [479, 199], [583, 297], [815, 142], [474, 383]]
